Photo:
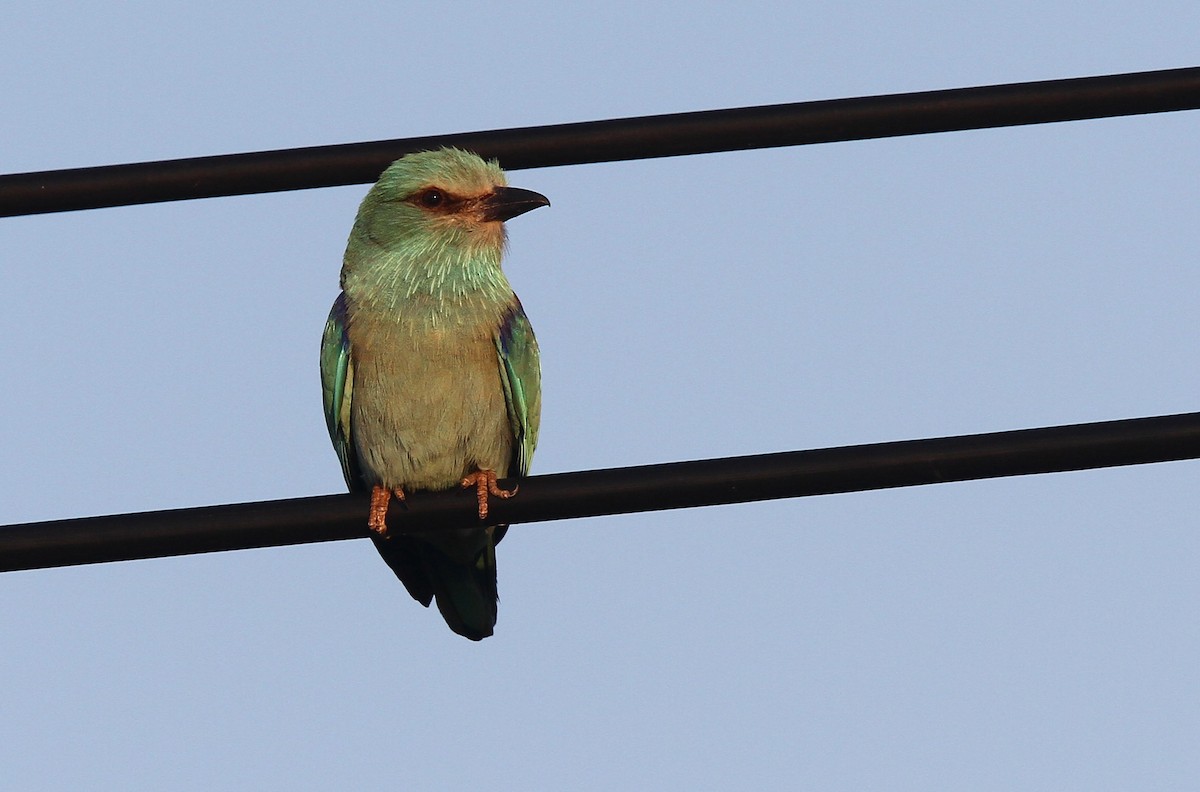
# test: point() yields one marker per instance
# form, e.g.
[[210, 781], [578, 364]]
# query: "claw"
[[484, 482], [380, 498]]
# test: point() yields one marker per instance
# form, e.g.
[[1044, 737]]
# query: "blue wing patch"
[[521, 375], [337, 390]]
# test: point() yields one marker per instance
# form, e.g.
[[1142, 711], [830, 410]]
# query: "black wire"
[[615, 491], [612, 140]]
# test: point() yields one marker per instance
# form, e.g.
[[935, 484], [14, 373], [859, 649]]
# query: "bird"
[[430, 372]]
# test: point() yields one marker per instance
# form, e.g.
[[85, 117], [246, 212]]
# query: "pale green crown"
[[461, 171]]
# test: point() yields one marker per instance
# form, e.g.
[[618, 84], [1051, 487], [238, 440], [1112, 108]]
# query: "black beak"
[[505, 203]]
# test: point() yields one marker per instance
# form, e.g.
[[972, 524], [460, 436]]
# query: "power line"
[[613, 140], [615, 491]]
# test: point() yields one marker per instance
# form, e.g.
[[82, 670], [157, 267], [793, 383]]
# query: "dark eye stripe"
[[436, 199]]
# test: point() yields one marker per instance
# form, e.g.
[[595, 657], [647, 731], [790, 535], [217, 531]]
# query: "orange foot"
[[484, 482], [380, 497]]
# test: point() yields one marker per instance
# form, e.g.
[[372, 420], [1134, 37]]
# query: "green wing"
[[337, 385], [521, 373]]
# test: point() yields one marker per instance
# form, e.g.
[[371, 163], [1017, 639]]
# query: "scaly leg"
[[484, 482], [380, 498]]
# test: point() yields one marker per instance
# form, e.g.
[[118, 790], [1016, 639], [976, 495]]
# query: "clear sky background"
[[1037, 633]]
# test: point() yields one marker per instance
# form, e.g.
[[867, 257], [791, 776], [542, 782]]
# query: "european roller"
[[429, 368]]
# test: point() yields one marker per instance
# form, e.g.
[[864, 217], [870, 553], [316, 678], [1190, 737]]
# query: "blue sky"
[[1031, 633]]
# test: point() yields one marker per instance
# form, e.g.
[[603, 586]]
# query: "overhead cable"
[[614, 491], [612, 140]]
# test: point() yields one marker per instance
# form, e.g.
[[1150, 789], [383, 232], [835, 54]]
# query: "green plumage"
[[429, 366]]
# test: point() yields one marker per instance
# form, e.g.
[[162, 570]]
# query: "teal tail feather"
[[463, 583]]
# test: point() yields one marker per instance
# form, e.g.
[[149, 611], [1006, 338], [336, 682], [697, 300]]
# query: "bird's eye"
[[432, 199]]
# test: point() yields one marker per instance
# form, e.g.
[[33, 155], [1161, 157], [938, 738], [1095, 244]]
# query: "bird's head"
[[442, 200], [433, 225]]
